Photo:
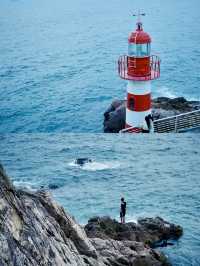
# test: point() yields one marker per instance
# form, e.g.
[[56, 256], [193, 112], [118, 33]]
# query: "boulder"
[[82, 161], [114, 117]]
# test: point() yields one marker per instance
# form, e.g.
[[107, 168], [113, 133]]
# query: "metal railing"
[[154, 66], [178, 122]]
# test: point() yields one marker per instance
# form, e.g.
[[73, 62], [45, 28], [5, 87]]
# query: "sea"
[[58, 74], [58, 59], [158, 175]]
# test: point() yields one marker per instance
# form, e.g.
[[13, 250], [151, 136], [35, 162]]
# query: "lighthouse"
[[139, 67]]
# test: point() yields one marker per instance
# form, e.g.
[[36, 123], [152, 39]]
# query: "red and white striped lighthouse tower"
[[139, 67]]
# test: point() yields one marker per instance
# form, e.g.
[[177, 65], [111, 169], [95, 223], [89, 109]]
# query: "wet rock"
[[82, 161], [35, 230], [53, 186], [146, 230], [5, 182], [121, 253], [114, 117]]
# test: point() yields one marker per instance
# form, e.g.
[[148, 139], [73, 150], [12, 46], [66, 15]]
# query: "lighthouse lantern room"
[[139, 67]]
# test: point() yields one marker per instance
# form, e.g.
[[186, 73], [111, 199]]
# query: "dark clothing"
[[123, 209], [147, 119]]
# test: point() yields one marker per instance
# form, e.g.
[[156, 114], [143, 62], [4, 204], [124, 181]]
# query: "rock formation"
[[114, 116], [34, 230], [146, 230]]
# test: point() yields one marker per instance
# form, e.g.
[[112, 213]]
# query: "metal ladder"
[[177, 123]]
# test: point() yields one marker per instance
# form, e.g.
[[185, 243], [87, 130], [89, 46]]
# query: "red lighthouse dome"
[[139, 53], [139, 36]]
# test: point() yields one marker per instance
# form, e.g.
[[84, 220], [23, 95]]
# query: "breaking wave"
[[166, 92], [96, 166]]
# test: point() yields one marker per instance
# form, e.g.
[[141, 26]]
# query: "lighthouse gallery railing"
[[154, 66]]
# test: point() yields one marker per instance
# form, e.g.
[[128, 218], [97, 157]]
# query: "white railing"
[[123, 66], [178, 122]]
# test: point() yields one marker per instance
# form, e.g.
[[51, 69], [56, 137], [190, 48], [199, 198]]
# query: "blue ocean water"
[[58, 59], [157, 175]]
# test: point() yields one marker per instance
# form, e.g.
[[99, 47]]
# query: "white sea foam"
[[166, 92], [132, 219], [26, 185], [96, 166]]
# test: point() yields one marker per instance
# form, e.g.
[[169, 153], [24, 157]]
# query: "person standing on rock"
[[123, 211]]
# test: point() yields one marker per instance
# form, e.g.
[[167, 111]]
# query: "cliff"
[[35, 230]]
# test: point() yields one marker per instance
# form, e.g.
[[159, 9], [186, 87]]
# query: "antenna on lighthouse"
[[139, 21]]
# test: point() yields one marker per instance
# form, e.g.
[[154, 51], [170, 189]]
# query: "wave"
[[165, 91], [25, 185], [131, 219], [96, 166], [34, 187]]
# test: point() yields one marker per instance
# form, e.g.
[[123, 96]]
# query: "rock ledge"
[[34, 230]]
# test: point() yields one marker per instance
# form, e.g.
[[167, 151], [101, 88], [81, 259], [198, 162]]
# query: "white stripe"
[[136, 119], [139, 87]]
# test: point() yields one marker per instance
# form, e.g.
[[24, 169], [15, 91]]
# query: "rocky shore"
[[35, 230], [114, 116]]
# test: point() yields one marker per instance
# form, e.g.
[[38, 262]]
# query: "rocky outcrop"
[[146, 230], [34, 230], [114, 116]]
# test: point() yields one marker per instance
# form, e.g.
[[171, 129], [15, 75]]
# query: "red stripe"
[[133, 129], [139, 103]]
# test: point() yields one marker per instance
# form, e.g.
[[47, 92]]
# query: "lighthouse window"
[[143, 49], [139, 50], [131, 104], [132, 49]]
